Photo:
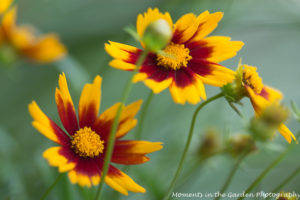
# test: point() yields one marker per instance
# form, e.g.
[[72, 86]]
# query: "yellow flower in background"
[[82, 146], [190, 59], [262, 96], [21, 39]]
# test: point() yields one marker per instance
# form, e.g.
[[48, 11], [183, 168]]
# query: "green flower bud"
[[157, 35], [8, 55], [240, 144], [211, 144]]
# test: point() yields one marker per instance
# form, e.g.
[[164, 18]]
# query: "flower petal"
[[286, 133], [187, 87], [56, 159], [215, 49], [46, 126], [212, 73], [133, 152], [206, 26], [5, 4], [127, 122], [150, 16], [65, 106], [89, 103], [121, 182], [186, 27]]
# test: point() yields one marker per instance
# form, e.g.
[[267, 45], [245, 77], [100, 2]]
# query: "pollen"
[[87, 143], [252, 79], [175, 56]]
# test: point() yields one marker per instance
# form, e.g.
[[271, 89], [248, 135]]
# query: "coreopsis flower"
[[22, 41], [248, 83], [189, 60], [82, 145]]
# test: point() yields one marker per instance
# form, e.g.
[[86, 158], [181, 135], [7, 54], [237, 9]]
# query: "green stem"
[[112, 134], [187, 145], [143, 114], [287, 180], [232, 173], [52, 186], [267, 170]]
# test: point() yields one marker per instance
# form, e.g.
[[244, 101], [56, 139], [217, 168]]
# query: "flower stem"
[[52, 186], [267, 170], [232, 173], [187, 145], [287, 180], [112, 134], [143, 114]]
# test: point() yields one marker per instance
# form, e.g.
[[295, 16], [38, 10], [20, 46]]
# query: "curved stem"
[[267, 170], [51, 186], [231, 174], [187, 145], [287, 180], [112, 134], [143, 114]]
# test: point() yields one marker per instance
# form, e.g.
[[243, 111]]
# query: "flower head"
[[21, 39], [82, 146], [188, 61], [248, 83]]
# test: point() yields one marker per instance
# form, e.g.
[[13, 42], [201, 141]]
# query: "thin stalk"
[[51, 186], [143, 114], [267, 170], [187, 145], [232, 173], [236, 109], [112, 134], [287, 180]]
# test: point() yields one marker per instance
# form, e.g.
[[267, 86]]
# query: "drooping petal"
[[104, 123], [65, 106], [57, 159], [186, 27], [187, 87], [125, 55], [46, 126], [212, 73], [45, 49], [121, 182], [206, 26], [215, 49], [286, 133], [133, 152], [83, 179], [89, 103], [150, 16]]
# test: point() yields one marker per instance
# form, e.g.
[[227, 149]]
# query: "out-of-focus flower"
[[211, 144], [248, 83], [240, 144], [188, 61], [287, 196], [82, 147], [21, 39]]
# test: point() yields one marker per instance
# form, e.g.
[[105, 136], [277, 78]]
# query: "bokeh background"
[[270, 30]]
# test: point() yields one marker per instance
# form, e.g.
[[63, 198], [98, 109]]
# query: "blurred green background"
[[270, 30]]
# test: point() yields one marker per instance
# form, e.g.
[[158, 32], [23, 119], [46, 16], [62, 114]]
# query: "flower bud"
[[157, 35], [287, 196], [264, 126], [240, 144], [8, 55], [211, 144]]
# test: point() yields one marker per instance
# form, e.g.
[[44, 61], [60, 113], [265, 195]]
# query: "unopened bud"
[[157, 35], [8, 55], [274, 115], [211, 144], [240, 144], [287, 196]]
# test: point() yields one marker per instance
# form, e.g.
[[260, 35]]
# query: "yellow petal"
[[55, 159], [157, 87], [120, 51], [286, 133]]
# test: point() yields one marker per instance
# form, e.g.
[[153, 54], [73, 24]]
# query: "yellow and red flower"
[[193, 59], [39, 49], [82, 146], [262, 96]]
